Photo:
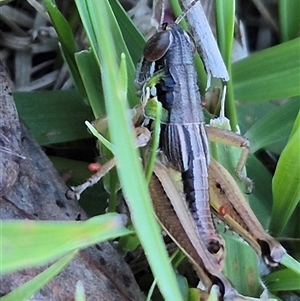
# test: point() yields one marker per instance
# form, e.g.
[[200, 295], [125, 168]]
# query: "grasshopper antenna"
[[162, 14], [192, 4]]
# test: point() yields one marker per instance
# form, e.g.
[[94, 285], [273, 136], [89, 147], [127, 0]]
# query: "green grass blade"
[[129, 168], [135, 42], [266, 75], [119, 44], [54, 116], [25, 291], [30, 243], [225, 14], [90, 75], [261, 199], [283, 280], [103, 140], [68, 46], [273, 127], [291, 263], [241, 266], [60, 23], [286, 183], [289, 19]]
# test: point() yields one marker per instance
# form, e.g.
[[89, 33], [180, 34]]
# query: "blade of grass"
[[241, 266], [291, 263], [54, 116], [134, 40], [120, 46], [274, 126], [30, 243], [25, 291], [225, 14], [155, 143], [90, 75], [68, 46], [286, 182], [283, 280], [289, 19], [103, 140], [265, 75]]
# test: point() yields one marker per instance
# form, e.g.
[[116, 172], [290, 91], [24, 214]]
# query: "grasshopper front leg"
[[142, 138]]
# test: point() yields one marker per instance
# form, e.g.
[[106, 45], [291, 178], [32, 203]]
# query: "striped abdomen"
[[186, 148]]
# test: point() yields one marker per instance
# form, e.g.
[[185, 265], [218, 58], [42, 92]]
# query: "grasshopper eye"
[[158, 45]]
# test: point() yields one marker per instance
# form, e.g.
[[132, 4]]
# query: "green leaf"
[[286, 183], [241, 266], [225, 15], [194, 294], [289, 19], [103, 140], [154, 142], [119, 45], [265, 75], [283, 280], [30, 243], [68, 46], [90, 75], [273, 127], [261, 199], [135, 42], [25, 291], [250, 112], [291, 263], [54, 116]]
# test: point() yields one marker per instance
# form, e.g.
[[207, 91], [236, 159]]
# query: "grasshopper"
[[175, 217], [184, 142], [183, 137]]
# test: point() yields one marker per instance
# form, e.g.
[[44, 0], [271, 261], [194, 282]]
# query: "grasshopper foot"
[[247, 181]]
